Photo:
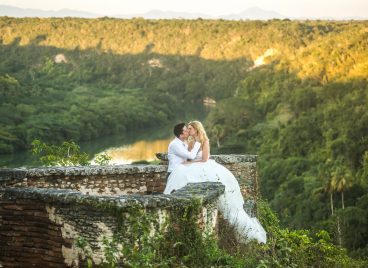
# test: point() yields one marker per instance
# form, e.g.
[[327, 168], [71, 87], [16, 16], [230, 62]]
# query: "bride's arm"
[[206, 151]]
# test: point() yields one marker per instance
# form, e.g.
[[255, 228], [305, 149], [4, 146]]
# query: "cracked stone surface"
[[205, 192]]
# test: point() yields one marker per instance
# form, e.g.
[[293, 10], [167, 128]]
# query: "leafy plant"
[[102, 159], [66, 154], [86, 251]]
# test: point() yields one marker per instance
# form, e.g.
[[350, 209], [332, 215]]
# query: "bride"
[[202, 169]]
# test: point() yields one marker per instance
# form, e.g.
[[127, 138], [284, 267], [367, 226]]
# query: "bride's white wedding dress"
[[230, 203]]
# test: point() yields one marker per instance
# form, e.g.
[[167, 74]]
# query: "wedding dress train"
[[230, 203]]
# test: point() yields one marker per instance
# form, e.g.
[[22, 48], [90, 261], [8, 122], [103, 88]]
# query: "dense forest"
[[295, 93]]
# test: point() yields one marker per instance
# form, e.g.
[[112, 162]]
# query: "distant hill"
[[12, 11], [253, 13], [159, 14]]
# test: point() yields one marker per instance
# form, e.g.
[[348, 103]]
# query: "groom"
[[178, 148]]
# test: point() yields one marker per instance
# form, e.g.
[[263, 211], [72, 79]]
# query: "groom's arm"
[[181, 151]]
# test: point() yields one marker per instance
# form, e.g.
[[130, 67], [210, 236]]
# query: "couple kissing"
[[189, 145]]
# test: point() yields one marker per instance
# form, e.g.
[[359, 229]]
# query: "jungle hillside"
[[293, 92]]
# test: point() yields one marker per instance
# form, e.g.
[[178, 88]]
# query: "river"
[[123, 149], [140, 145]]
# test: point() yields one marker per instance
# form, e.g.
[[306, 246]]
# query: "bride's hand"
[[186, 162]]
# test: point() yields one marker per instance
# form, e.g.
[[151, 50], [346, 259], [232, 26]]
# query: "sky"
[[293, 8]]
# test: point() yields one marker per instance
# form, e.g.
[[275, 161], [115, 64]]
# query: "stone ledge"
[[221, 159], [205, 192], [20, 173]]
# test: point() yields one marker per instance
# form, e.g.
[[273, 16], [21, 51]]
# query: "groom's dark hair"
[[178, 129]]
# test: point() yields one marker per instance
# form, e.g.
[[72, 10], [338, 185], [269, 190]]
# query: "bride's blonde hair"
[[200, 130]]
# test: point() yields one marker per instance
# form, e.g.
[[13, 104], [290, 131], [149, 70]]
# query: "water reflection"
[[138, 151]]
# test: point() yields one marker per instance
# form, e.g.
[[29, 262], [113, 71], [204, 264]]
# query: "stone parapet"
[[204, 192], [221, 159], [96, 180], [43, 211], [125, 179], [42, 227], [7, 174]]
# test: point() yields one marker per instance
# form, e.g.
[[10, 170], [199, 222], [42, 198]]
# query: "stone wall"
[[43, 211], [97, 180], [41, 227], [125, 179]]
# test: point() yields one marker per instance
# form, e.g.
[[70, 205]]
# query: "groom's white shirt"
[[178, 153]]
